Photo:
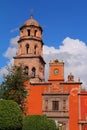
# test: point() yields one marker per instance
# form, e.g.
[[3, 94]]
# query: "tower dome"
[[31, 21], [31, 29]]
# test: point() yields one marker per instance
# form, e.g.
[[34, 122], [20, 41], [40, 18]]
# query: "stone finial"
[[70, 77], [79, 79]]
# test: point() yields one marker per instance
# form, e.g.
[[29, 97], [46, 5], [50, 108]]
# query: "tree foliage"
[[13, 85], [36, 122], [10, 115], [1, 91]]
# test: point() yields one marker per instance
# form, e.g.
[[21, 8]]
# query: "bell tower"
[[30, 50], [56, 71]]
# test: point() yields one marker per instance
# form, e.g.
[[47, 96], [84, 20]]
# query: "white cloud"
[[14, 41], [11, 51], [4, 71], [73, 46], [49, 50], [73, 53], [14, 30]]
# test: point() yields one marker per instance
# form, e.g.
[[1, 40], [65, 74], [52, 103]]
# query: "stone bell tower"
[[30, 50]]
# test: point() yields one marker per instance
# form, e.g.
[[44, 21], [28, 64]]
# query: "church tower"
[[30, 50]]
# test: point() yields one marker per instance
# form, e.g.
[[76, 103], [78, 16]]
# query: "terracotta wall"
[[34, 100], [83, 99], [73, 106]]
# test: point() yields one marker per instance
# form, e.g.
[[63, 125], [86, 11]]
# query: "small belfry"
[[30, 50], [56, 71]]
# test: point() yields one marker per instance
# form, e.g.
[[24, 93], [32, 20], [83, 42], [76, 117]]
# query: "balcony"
[[56, 114]]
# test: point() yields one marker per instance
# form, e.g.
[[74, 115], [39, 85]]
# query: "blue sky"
[[60, 19]]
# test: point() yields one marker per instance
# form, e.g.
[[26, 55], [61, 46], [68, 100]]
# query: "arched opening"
[[28, 31], [35, 33], [27, 48], [33, 72], [35, 49], [26, 70]]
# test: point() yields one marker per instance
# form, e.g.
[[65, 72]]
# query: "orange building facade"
[[60, 100]]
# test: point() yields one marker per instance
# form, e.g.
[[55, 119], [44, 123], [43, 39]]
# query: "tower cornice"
[[31, 26], [28, 57], [30, 38]]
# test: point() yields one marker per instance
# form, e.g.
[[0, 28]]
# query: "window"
[[26, 69], [33, 72], [28, 32], [27, 48], [55, 105], [35, 49], [35, 33], [46, 105]]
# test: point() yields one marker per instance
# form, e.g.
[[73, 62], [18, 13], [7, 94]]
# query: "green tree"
[[1, 91], [36, 122], [10, 115], [13, 85]]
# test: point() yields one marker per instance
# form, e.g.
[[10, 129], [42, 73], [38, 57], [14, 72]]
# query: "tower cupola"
[[31, 29], [32, 22]]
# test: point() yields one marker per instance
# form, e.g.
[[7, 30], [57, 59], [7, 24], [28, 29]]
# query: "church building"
[[60, 100]]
